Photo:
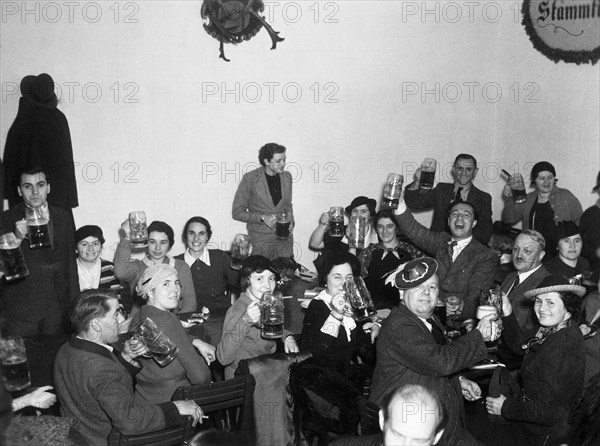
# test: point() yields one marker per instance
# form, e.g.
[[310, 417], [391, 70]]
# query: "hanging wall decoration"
[[567, 30], [233, 21]]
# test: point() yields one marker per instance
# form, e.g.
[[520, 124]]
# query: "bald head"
[[411, 415]]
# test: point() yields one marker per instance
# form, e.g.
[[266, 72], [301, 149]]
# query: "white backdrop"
[[357, 89]]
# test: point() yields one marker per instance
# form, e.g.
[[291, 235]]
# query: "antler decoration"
[[233, 21]]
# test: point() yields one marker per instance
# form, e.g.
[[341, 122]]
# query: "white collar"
[[525, 275], [149, 262], [190, 259], [106, 346]]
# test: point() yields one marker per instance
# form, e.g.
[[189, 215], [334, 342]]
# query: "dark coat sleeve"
[[425, 357], [484, 228], [421, 236]]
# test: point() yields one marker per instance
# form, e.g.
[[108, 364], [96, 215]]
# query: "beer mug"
[[13, 360], [139, 229], [357, 230], [11, 257], [158, 344], [359, 297], [282, 225], [493, 297], [336, 221], [37, 228], [392, 190], [517, 188], [427, 178], [271, 315], [240, 249]]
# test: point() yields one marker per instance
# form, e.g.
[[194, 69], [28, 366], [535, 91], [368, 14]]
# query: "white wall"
[[188, 148]]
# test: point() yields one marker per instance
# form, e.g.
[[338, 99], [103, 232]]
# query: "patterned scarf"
[[543, 333]]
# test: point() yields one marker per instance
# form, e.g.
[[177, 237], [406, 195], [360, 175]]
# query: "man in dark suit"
[[38, 303], [438, 198], [262, 194], [466, 267], [413, 349], [527, 255], [94, 382]]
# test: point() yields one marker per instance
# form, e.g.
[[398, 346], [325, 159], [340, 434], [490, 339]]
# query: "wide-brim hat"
[[555, 284], [359, 201], [39, 90], [89, 231], [597, 186], [414, 273]]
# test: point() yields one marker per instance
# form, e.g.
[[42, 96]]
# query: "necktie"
[[437, 332], [515, 283], [451, 246], [458, 196]]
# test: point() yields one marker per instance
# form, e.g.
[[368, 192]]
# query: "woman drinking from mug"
[[161, 288], [378, 259], [544, 207], [160, 241], [211, 268], [241, 337], [552, 375], [333, 336]]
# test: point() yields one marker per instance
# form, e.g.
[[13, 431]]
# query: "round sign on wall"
[[567, 30]]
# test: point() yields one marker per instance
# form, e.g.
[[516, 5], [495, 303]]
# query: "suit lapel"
[[262, 188]]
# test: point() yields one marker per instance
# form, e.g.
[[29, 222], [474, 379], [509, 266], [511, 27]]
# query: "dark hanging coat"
[[40, 136]]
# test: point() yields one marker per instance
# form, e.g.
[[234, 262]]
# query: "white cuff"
[[401, 209]]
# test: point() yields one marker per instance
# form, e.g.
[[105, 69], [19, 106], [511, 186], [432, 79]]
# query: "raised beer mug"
[[392, 190], [240, 249], [271, 315], [357, 230], [139, 229], [427, 178], [37, 228], [336, 221], [13, 360]]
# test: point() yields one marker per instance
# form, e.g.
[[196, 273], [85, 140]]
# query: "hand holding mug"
[[340, 305], [417, 180], [454, 306], [126, 230], [506, 305], [133, 348], [324, 220], [21, 229], [507, 191], [488, 328], [270, 220], [252, 314]]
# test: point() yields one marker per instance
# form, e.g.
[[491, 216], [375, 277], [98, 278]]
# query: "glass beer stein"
[[271, 315], [159, 346]]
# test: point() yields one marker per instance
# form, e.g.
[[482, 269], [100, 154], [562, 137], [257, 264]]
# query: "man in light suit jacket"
[[527, 255], [466, 272], [38, 303], [438, 198], [261, 194]]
